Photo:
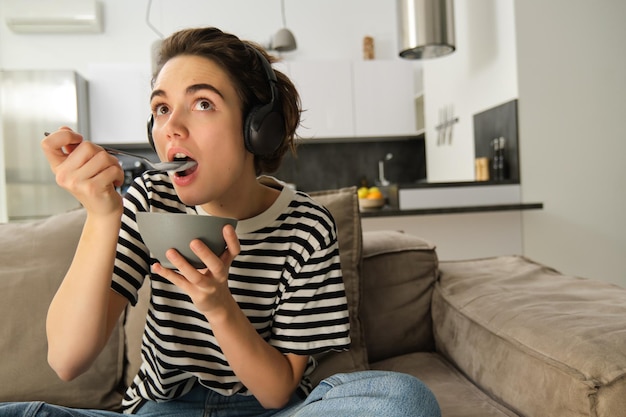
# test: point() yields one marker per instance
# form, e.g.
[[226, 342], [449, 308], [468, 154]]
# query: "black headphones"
[[264, 126]]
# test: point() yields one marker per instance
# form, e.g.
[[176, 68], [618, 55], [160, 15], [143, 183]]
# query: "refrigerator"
[[31, 103]]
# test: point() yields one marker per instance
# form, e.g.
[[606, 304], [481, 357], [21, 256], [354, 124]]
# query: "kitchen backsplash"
[[499, 122], [328, 164]]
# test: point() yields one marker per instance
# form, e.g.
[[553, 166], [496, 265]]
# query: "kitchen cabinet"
[[326, 92], [384, 98], [461, 235], [466, 195], [340, 99], [355, 99]]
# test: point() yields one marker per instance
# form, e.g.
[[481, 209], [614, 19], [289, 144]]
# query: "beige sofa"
[[491, 337]]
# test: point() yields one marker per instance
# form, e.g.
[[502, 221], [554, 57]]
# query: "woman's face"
[[197, 115]]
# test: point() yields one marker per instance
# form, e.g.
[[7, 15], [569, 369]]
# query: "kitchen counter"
[[389, 211], [455, 184], [451, 198]]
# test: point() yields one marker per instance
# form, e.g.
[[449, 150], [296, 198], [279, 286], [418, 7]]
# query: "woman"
[[236, 338]]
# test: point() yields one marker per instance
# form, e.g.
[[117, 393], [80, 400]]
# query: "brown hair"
[[246, 72]]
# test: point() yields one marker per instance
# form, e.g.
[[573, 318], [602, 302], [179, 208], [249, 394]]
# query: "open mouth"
[[183, 157]]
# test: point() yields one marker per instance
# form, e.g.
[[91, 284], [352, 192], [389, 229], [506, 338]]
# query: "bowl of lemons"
[[370, 198]]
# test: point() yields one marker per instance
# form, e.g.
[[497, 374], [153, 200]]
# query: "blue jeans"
[[362, 394]]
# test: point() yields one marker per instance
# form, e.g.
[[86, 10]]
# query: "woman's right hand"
[[86, 170]]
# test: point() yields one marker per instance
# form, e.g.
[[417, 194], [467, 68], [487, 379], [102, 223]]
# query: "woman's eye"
[[160, 109], [204, 104]]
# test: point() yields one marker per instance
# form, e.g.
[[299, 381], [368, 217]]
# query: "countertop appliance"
[[31, 103]]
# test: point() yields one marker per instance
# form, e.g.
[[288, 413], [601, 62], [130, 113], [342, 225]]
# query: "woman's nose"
[[175, 126]]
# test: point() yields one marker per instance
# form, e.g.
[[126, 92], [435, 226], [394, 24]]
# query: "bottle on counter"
[[502, 162], [481, 167], [495, 159], [499, 163], [368, 48]]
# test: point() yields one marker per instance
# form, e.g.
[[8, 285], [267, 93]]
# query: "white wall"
[[325, 29], [479, 75], [572, 107], [564, 60]]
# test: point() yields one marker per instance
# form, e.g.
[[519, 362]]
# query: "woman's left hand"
[[207, 288]]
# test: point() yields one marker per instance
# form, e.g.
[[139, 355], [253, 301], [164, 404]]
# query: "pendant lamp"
[[283, 40], [426, 28]]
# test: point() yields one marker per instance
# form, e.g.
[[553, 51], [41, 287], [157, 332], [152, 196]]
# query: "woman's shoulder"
[[305, 202], [312, 215]]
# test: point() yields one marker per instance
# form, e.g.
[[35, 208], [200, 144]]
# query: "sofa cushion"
[[343, 204], [542, 342], [34, 258], [456, 395], [399, 272]]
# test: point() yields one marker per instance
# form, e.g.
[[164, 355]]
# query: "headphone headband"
[[269, 73]]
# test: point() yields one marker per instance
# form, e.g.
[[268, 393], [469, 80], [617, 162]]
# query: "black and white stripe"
[[287, 280]]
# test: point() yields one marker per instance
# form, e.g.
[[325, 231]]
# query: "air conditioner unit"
[[58, 16]]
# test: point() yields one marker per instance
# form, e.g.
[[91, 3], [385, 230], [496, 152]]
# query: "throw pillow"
[[34, 258], [343, 204], [398, 279]]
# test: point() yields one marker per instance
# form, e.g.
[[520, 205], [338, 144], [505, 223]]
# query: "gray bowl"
[[163, 231]]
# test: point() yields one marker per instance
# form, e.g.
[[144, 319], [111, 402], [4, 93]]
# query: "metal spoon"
[[170, 166]]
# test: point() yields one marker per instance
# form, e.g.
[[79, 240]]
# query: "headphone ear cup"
[[264, 130], [149, 131]]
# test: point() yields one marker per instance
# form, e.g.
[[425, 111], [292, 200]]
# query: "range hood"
[[426, 28]]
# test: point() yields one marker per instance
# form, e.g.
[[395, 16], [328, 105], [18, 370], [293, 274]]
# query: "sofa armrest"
[[397, 279], [543, 343]]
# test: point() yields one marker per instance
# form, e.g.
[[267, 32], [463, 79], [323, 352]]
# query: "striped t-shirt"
[[286, 279]]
